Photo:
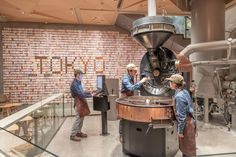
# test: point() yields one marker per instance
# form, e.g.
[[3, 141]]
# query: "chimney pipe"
[[151, 7]]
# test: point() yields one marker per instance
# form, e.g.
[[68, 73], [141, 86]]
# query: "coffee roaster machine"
[[148, 121], [149, 127]]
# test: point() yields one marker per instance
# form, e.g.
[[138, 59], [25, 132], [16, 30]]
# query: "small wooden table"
[[8, 107]]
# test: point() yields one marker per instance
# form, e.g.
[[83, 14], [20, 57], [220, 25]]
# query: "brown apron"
[[127, 93], [82, 107], [187, 144], [123, 95]]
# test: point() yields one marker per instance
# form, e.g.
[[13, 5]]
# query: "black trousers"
[[120, 126]]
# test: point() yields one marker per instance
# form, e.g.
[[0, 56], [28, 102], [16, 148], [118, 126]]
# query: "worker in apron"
[[186, 127], [128, 86]]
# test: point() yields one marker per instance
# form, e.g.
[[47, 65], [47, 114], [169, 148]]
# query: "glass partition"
[[37, 123], [68, 107], [45, 122], [13, 146]]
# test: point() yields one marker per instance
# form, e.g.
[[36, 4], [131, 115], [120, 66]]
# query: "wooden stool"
[[14, 129], [22, 149], [38, 124], [24, 124]]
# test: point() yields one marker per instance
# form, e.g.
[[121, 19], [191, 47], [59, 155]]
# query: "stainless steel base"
[[156, 143]]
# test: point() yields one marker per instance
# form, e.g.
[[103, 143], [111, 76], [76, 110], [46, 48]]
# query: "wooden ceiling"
[[96, 12]]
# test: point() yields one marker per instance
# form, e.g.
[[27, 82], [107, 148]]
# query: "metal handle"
[[149, 127]]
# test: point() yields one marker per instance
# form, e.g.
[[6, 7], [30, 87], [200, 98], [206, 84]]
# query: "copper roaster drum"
[[145, 108]]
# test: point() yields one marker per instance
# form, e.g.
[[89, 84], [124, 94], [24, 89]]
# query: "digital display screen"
[[100, 82]]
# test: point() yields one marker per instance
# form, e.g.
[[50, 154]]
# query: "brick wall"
[[1, 60], [38, 62]]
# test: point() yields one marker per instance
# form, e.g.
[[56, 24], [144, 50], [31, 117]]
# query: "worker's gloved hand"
[[144, 79], [93, 93]]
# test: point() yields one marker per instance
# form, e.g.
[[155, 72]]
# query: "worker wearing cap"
[[128, 86], [184, 115], [80, 105]]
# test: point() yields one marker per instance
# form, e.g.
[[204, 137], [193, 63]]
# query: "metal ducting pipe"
[[208, 25], [208, 47], [151, 7], [214, 63]]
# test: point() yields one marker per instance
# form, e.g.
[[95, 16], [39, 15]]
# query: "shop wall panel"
[[38, 62]]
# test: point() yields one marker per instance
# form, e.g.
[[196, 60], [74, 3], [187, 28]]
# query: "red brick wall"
[[39, 62]]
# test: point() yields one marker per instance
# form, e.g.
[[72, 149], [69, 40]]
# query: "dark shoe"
[[82, 135], [75, 138]]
